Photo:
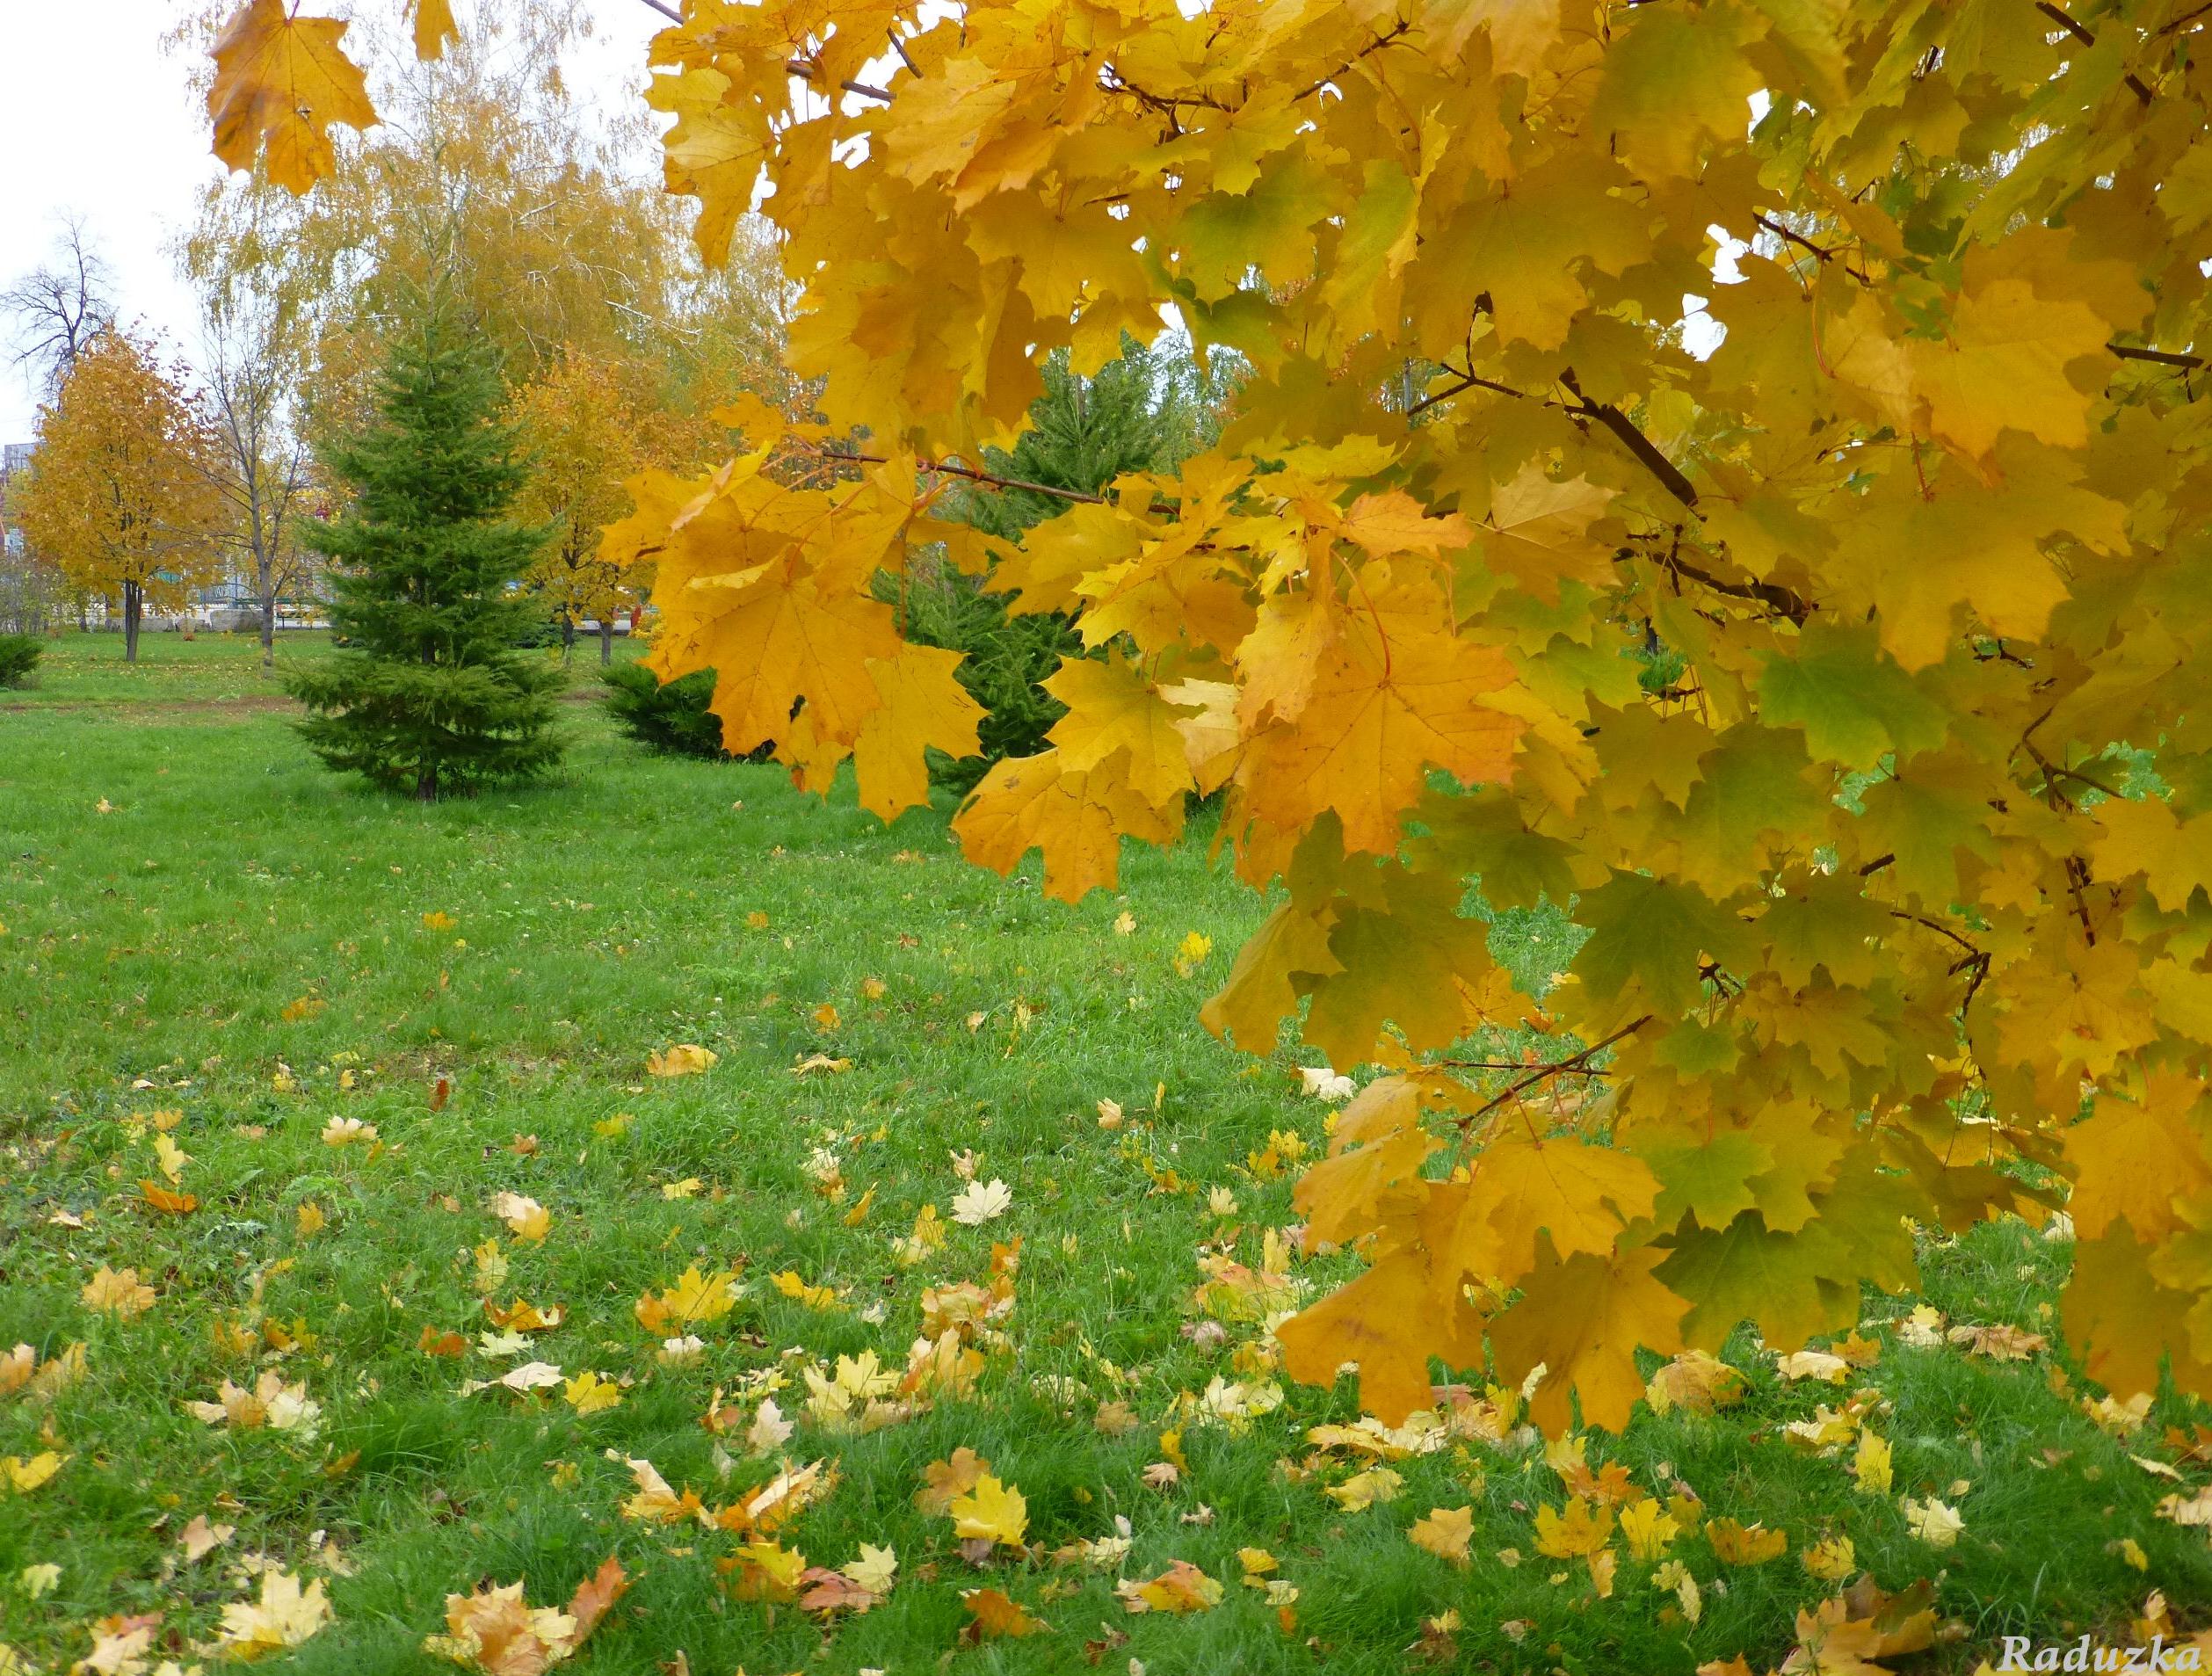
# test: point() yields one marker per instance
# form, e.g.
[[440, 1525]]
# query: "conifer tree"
[[1147, 409], [431, 697]]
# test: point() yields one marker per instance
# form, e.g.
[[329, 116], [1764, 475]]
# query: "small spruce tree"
[[1147, 409], [430, 696]]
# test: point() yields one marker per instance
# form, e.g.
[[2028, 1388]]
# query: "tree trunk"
[[426, 785], [606, 641], [268, 631], [132, 600], [568, 635]]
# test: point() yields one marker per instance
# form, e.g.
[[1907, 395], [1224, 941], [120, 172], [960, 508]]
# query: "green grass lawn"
[[202, 929]]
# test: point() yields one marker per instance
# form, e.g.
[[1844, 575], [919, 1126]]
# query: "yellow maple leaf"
[[284, 1616], [1573, 1531], [1445, 1532], [119, 1293], [1650, 1529], [945, 1481], [1735, 1544], [686, 1059], [694, 1297], [1182, 1588], [433, 23], [24, 1475], [991, 1512], [527, 1219], [283, 80], [588, 1393]]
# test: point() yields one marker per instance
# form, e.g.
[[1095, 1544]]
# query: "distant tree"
[[61, 306], [1145, 410], [254, 326], [431, 696], [585, 431], [122, 495]]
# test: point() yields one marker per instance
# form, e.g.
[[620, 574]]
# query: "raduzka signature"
[[2022, 1653]]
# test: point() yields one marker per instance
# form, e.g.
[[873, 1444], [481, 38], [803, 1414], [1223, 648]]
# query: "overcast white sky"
[[127, 150]]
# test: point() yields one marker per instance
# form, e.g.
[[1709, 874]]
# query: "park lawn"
[[209, 941]]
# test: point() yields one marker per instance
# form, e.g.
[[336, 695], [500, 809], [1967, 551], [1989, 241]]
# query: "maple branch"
[[2057, 15], [1792, 237], [667, 11], [1375, 46], [1469, 382], [807, 72], [1573, 1063], [1645, 450], [2158, 356], [954, 469], [1791, 605]]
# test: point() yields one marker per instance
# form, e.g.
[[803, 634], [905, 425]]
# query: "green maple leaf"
[[1854, 704]]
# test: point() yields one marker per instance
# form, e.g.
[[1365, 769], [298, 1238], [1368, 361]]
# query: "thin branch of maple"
[[1468, 381], [2157, 357], [1791, 605], [988, 479], [1375, 46], [2057, 15], [1646, 450], [666, 10], [1572, 1064], [807, 71], [1789, 235]]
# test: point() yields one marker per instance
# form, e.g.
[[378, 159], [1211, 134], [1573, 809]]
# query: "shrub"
[[673, 718], [19, 656]]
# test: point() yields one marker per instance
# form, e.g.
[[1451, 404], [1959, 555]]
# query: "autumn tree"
[[1895, 893], [430, 696], [121, 497], [585, 432]]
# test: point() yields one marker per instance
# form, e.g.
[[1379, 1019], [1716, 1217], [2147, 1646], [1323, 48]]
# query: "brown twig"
[[1572, 1063], [2057, 15]]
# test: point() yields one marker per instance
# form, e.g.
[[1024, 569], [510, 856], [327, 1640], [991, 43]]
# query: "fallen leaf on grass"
[[991, 1512], [271, 1402], [119, 1293], [589, 1393], [1735, 1544], [2001, 1343], [978, 1203], [530, 1377], [23, 1476], [686, 1059], [284, 1617], [169, 1204], [199, 1538], [991, 1613], [495, 1631], [1813, 1364], [1934, 1521], [1696, 1381], [1182, 1588], [1576, 1530], [694, 1297], [1871, 1466], [1364, 1490], [527, 1219], [946, 1481], [522, 1316], [1446, 1532]]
